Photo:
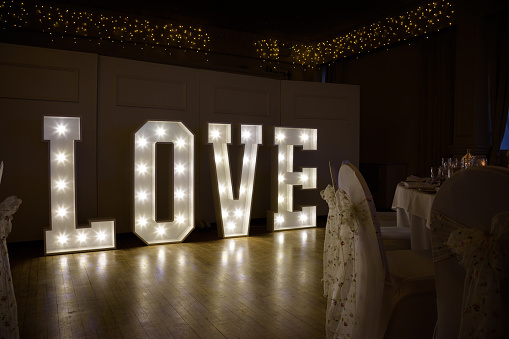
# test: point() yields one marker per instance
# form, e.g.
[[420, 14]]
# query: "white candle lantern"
[[145, 225], [234, 214], [282, 216], [64, 235]]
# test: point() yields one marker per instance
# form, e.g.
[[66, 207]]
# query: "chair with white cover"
[[394, 237], [371, 293], [470, 243], [8, 306]]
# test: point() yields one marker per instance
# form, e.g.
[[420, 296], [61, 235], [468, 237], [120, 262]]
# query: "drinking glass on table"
[[435, 175], [441, 175], [455, 166], [446, 164]]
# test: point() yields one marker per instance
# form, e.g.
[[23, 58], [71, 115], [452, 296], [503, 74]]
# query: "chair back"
[[465, 206], [1, 170], [355, 296], [350, 179]]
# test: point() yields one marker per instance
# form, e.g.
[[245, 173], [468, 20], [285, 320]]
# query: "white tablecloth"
[[413, 210]]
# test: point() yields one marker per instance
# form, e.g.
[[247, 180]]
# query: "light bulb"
[[180, 143], [179, 194], [61, 184], [141, 142], [142, 168], [100, 235], [142, 221], [246, 135], [61, 157], [142, 195], [222, 188], [61, 129], [280, 137], [62, 212], [215, 134], [82, 237], [160, 230], [160, 131], [62, 238], [179, 168]]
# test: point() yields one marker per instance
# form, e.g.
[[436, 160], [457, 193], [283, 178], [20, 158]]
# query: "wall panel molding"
[[238, 101], [37, 82], [320, 107], [150, 93]]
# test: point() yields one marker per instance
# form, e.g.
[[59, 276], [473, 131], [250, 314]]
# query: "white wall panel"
[[156, 93], [241, 101], [38, 82], [115, 97], [238, 99], [321, 107], [333, 109], [130, 94]]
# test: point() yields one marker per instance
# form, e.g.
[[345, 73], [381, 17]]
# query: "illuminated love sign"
[[146, 227], [234, 214], [282, 195], [64, 236]]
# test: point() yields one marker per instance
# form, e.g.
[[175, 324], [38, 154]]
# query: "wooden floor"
[[266, 285]]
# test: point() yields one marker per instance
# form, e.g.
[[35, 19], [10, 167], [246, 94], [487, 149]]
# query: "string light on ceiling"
[[418, 21], [143, 32], [96, 25]]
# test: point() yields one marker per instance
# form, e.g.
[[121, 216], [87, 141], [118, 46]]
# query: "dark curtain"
[[437, 122], [498, 81], [330, 72]]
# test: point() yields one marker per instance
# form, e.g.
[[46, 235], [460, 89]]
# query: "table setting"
[[414, 197]]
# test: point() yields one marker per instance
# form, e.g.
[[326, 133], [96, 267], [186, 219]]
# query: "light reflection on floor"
[[267, 271]]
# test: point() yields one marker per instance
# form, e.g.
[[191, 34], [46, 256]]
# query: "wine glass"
[[435, 175]]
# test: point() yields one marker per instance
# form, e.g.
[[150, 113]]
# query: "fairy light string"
[[101, 26], [419, 21], [97, 25]]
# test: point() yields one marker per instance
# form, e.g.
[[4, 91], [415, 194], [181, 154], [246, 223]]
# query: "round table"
[[413, 209]]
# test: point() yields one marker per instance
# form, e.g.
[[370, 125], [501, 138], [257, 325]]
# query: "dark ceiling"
[[296, 21]]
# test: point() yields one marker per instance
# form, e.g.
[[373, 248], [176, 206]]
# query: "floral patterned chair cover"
[[394, 237], [8, 307], [361, 288], [470, 240], [349, 264]]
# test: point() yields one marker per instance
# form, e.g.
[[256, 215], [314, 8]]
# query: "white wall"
[[114, 97]]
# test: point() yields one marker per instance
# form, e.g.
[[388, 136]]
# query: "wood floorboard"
[[266, 285]]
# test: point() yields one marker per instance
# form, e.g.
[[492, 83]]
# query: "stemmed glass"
[[454, 167], [436, 175]]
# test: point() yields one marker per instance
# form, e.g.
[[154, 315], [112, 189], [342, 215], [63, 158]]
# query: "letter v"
[[234, 214]]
